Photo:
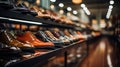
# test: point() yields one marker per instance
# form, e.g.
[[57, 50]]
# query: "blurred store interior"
[[59, 33]]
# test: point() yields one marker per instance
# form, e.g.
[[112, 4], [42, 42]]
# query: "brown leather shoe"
[[29, 38], [66, 32], [40, 12], [57, 35], [7, 38], [48, 33]]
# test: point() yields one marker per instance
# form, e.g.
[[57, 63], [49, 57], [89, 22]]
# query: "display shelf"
[[45, 57], [16, 17]]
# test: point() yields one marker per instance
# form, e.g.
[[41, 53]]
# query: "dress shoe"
[[49, 34], [29, 38], [57, 35], [41, 14], [22, 8], [8, 38], [74, 34], [66, 37], [66, 32], [46, 38]]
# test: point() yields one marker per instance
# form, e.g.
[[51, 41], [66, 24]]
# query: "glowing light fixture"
[[68, 13], [77, 1], [110, 7], [75, 12], [52, 6], [69, 8], [61, 11], [53, 0], [109, 11], [82, 5], [61, 5], [37, 2], [111, 2], [85, 9]]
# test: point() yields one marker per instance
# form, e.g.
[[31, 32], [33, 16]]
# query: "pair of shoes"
[[66, 32], [29, 38], [7, 38], [77, 38], [66, 37], [40, 13], [42, 35], [57, 35]]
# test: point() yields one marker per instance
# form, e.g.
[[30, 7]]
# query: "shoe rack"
[[27, 19], [43, 60]]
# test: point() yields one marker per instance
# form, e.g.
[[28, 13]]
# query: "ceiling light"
[[109, 11], [69, 8], [52, 6], [111, 2], [37, 2], [82, 5], [68, 13], [53, 0], [61, 11], [76, 1], [108, 14], [88, 12], [110, 7], [85, 9], [75, 12], [61, 5]]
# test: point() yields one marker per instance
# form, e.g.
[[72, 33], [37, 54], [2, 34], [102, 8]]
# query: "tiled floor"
[[103, 53]]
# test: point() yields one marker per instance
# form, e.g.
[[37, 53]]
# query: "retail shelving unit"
[[14, 17]]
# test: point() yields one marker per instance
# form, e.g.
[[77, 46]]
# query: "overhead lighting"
[[75, 12], [85, 9], [109, 11], [108, 14], [69, 8], [110, 7], [77, 1], [82, 5], [68, 13], [52, 6], [111, 2], [61, 11], [61, 5], [53, 0], [38, 2]]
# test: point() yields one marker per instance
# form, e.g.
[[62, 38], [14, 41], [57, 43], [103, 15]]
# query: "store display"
[[48, 39], [29, 38], [7, 38], [32, 36]]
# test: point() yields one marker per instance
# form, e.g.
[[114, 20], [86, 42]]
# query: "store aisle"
[[101, 54]]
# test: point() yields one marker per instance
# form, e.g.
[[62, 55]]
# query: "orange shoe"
[[28, 37], [7, 38]]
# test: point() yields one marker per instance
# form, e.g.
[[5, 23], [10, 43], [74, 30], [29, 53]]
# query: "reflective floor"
[[102, 53]]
